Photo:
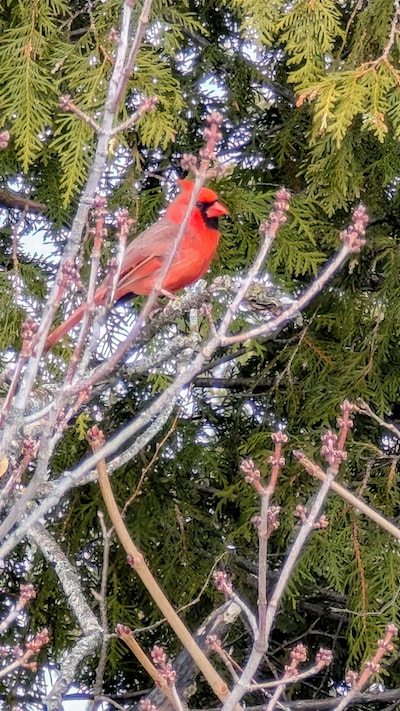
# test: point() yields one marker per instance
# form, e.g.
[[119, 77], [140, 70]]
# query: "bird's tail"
[[72, 321], [63, 328]]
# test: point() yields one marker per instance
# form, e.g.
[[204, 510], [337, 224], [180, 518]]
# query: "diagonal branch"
[[138, 563]]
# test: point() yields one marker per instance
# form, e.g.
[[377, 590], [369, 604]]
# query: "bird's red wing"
[[144, 256], [156, 241], [131, 281]]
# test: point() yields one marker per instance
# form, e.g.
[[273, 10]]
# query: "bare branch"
[[137, 561], [88, 644]]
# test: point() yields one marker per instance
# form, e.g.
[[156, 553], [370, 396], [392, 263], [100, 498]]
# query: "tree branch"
[[92, 632], [137, 561]]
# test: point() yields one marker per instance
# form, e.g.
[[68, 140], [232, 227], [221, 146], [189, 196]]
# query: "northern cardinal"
[[145, 255]]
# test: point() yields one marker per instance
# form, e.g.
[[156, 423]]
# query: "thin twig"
[[126, 70], [102, 600], [357, 503], [146, 663], [364, 409], [146, 469]]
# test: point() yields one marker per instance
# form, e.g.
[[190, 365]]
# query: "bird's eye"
[[202, 205]]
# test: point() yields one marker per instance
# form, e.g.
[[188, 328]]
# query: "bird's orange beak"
[[217, 209]]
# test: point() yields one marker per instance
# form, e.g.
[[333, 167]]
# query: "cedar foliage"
[[310, 98]]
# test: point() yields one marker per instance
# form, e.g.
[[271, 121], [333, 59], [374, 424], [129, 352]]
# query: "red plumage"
[[146, 254]]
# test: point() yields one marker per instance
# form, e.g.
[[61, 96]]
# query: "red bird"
[[146, 254]]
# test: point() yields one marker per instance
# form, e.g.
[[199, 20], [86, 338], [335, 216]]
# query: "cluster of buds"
[[68, 273], [149, 104], [95, 435], [213, 135], [329, 450], [99, 206], [351, 678], [279, 437], [22, 657], [122, 219], [297, 655], [223, 582], [324, 657], [345, 421], [332, 449], [29, 329], [386, 643], [4, 139], [278, 214], [273, 522], [113, 35], [36, 644], [273, 518], [124, 224], [122, 630], [354, 235], [189, 162], [146, 705], [99, 231], [29, 450], [213, 644], [65, 102], [302, 513], [29, 447], [322, 522], [164, 667], [251, 474], [27, 593], [373, 666], [276, 460], [208, 157]]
